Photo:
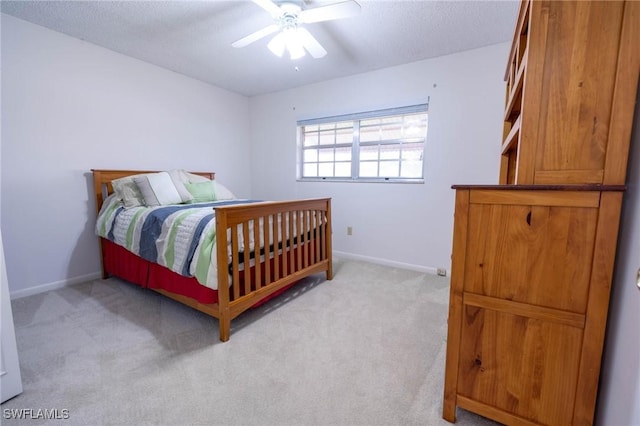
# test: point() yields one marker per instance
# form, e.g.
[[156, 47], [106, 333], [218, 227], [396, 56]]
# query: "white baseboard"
[[54, 285], [386, 262], [94, 276]]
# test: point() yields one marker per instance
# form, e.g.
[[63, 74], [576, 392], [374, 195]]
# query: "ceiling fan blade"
[[330, 12], [256, 36], [310, 43], [270, 7]]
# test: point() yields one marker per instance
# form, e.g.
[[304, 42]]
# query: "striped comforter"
[[180, 237]]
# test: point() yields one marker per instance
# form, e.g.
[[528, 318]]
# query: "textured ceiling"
[[194, 37]]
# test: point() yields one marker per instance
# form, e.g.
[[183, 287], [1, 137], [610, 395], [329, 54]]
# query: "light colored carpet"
[[366, 348]]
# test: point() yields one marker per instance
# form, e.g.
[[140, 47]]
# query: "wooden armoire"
[[533, 256]]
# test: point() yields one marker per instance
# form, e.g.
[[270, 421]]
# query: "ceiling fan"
[[292, 37]]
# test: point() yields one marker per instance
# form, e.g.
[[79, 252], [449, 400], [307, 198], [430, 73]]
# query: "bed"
[[266, 246]]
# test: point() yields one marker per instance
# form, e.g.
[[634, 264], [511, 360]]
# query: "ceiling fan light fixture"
[[296, 52], [294, 45], [292, 37], [288, 39], [277, 45]]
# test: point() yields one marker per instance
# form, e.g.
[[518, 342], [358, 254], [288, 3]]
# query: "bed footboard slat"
[[235, 261], [304, 237], [257, 245], [316, 231], [283, 237], [292, 242], [268, 244], [276, 251], [312, 238], [246, 252]]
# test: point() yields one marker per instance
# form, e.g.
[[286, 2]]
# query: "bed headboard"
[[102, 181]]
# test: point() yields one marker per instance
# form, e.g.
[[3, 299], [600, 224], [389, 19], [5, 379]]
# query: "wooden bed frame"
[[305, 251]]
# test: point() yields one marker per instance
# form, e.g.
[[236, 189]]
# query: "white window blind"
[[384, 145]]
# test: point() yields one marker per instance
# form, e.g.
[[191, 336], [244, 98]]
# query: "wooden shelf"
[[512, 137], [516, 90], [522, 27]]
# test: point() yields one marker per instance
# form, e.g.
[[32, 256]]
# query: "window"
[[384, 145]]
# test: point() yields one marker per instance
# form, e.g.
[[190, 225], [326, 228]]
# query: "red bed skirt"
[[121, 263]]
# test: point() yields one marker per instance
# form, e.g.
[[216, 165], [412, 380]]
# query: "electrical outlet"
[[349, 230], [442, 272]]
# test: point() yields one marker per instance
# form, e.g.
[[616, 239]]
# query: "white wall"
[[619, 402], [70, 106], [408, 224]]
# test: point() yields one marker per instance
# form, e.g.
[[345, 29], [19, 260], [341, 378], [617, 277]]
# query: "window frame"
[[356, 144]]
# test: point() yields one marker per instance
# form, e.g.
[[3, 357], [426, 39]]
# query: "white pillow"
[[194, 178], [179, 175], [222, 192], [126, 189], [159, 189]]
